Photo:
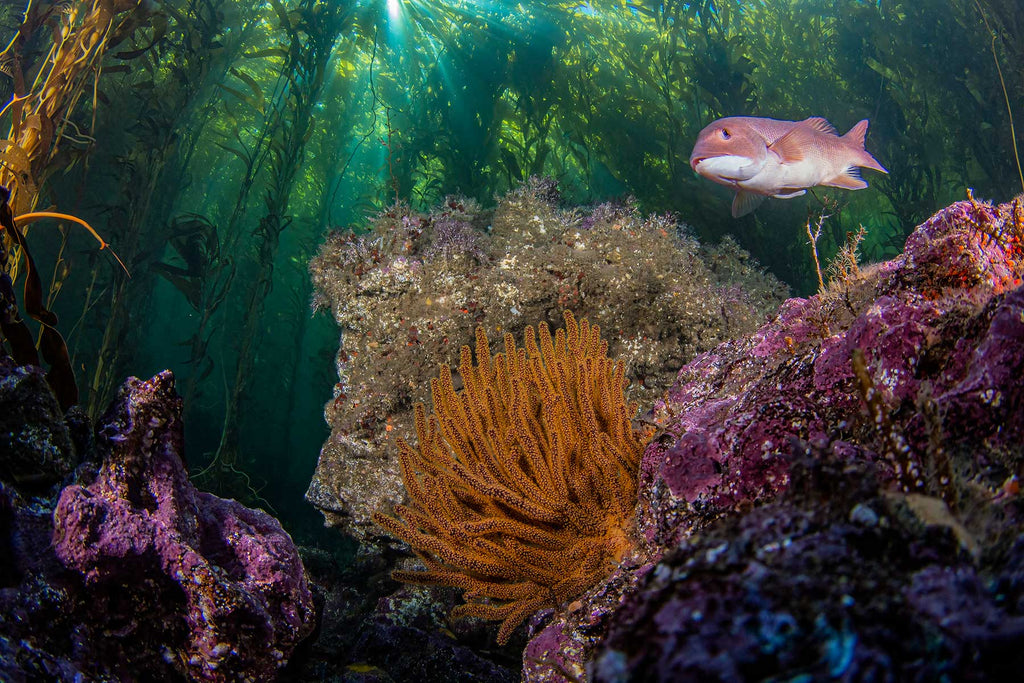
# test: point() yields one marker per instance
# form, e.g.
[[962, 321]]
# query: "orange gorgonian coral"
[[522, 490]]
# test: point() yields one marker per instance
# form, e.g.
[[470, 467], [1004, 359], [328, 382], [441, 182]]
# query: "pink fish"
[[769, 158]]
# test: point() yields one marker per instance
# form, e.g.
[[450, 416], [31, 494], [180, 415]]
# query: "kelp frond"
[[522, 488], [27, 218], [60, 376]]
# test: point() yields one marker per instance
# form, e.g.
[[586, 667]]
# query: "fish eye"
[[725, 134]]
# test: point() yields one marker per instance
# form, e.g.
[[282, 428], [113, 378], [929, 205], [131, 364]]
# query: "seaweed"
[[311, 28], [60, 376]]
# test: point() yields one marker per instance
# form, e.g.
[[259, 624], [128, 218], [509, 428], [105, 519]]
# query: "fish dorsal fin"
[[790, 147], [745, 202], [821, 125]]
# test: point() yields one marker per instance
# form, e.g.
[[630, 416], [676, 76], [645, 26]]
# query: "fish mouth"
[[695, 161]]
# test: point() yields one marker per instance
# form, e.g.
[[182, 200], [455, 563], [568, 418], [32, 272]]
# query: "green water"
[[222, 139]]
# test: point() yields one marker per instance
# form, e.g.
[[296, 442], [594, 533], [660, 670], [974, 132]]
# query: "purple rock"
[[989, 396], [941, 330], [235, 601], [941, 322], [454, 236], [833, 581]]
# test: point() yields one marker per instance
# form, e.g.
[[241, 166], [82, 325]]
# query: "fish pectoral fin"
[[789, 194], [745, 202], [790, 147], [848, 180]]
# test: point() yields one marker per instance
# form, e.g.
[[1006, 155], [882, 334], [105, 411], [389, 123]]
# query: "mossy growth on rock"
[[409, 292]]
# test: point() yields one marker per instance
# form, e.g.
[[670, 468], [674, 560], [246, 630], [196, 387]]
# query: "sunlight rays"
[[394, 10]]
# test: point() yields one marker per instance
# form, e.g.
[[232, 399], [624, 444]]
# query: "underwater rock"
[[835, 580], [134, 574], [410, 292], [217, 586], [37, 446], [941, 335], [408, 637], [370, 634], [940, 331], [38, 608]]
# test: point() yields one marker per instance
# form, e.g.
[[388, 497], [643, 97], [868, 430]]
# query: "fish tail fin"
[[855, 139], [868, 161]]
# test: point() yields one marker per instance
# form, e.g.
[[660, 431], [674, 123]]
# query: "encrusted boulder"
[[133, 574], [371, 633], [37, 447], [941, 336], [911, 369], [835, 580], [218, 585], [409, 293]]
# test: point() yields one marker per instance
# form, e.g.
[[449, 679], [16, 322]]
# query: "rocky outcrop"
[[410, 292], [837, 493], [133, 574]]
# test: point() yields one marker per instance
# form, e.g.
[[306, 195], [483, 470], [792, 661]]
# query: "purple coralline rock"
[[216, 587], [939, 324], [834, 580], [940, 330], [561, 641], [454, 236]]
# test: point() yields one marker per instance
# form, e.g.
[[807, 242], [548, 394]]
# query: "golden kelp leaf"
[[14, 158], [15, 166], [257, 91]]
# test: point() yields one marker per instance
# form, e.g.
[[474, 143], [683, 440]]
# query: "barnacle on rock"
[[523, 485]]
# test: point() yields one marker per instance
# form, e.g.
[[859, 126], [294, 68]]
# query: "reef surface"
[[835, 494], [131, 573], [831, 494], [409, 293]]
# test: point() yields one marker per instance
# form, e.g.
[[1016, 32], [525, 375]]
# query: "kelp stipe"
[[60, 376]]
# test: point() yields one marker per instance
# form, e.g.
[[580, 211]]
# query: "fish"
[[761, 157]]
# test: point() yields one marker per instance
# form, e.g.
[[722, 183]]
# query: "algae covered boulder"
[[408, 294]]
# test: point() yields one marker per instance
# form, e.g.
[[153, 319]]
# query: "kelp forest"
[[172, 166]]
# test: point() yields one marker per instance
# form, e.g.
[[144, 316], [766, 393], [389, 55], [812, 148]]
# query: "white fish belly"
[[729, 168], [779, 177]]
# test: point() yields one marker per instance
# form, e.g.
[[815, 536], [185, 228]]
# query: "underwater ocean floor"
[[831, 494]]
